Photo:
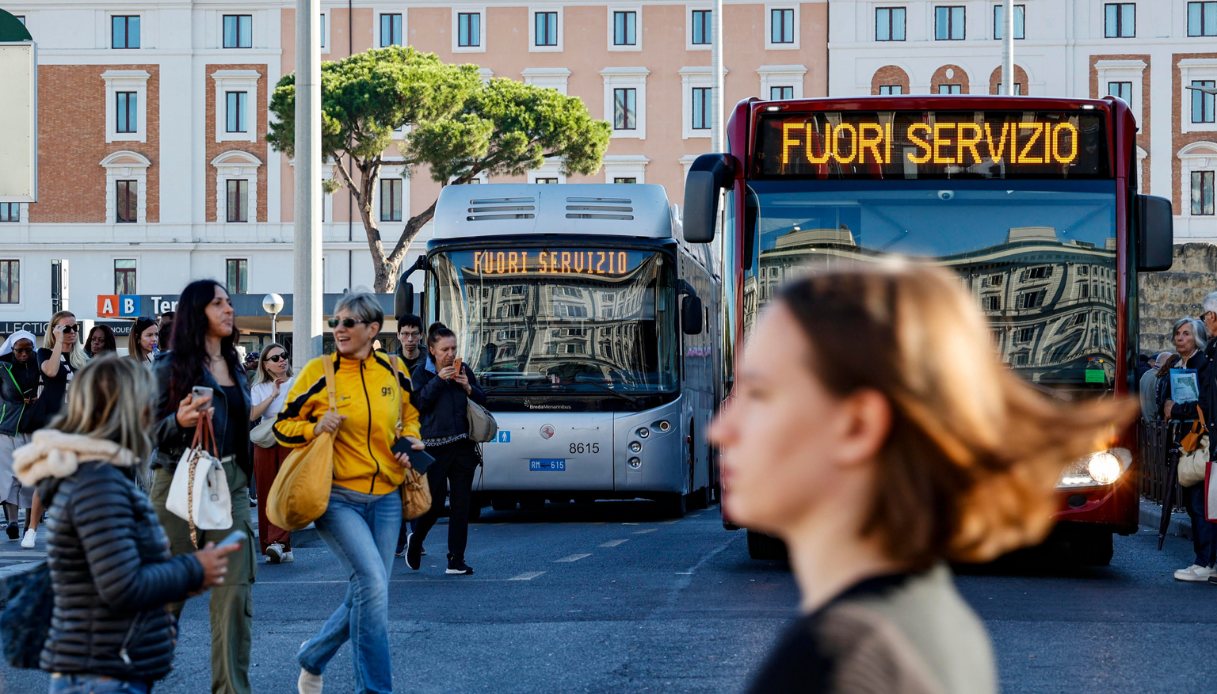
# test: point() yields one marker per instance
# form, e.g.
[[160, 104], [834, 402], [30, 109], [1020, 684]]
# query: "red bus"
[[1033, 201]]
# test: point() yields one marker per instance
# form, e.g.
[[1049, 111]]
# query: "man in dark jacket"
[[442, 397]]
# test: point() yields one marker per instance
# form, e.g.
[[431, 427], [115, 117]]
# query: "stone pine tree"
[[458, 127]]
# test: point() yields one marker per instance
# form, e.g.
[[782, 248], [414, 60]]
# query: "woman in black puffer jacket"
[[111, 571]]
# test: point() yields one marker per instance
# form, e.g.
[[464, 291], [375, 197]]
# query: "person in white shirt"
[[272, 380]]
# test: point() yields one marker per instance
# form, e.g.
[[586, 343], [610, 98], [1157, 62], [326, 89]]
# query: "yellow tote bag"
[[301, 491]]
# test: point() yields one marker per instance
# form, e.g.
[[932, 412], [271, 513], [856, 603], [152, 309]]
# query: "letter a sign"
[[107, 306]]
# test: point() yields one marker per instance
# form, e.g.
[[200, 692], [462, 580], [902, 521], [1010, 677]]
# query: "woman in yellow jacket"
[[364, 515]]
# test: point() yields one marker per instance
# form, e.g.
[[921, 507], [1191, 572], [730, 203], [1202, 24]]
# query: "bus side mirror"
[[403, 298], [691, 315], [1155, 234], [709, 174]]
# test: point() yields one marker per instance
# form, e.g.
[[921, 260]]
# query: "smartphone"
[[235, 537], [201, 391], [456, 364], [419, 460]]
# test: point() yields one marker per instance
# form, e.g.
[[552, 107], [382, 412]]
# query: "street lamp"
[[273, 304]]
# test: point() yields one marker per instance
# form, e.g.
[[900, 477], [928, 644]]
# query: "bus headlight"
[[1097, 469], [643, 432], [635, 462], [663, 426], [635, 447]]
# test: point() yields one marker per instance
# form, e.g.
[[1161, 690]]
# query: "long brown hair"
[[969, 468]]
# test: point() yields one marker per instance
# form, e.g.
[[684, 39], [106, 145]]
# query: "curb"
[[1151, 516]]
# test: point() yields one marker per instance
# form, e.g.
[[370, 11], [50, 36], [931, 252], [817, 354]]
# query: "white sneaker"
[[31, 537], [274, 553], [308, 683], [1195, 574], [288, 557]]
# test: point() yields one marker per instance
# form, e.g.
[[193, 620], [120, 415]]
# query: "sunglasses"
[[346, 322], [70, 328], [277, 358]]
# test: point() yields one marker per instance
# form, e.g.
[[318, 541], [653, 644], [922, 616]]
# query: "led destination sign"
[[540, 261], [932, 144]]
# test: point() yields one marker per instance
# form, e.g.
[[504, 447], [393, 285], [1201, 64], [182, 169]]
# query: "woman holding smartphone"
[[111, 570], [202, 377], [361, 523], [442, 392]]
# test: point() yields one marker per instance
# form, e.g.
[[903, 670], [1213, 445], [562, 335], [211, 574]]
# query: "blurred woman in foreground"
[[879, 465]]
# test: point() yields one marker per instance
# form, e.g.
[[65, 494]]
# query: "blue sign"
[[503, 437], [547, 464], [128, 306]]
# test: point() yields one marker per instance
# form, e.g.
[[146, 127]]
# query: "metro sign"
[[117, 306]]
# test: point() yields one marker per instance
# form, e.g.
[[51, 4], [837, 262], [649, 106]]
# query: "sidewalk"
[[1151, 516]]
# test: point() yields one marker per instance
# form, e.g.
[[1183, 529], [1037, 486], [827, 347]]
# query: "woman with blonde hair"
[[110, 566], [271, 382], [877, 466]]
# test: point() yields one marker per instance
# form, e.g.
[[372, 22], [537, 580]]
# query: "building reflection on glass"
[[1051, 302]]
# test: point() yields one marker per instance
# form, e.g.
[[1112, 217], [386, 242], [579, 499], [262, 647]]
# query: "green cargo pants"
[[232, 608]]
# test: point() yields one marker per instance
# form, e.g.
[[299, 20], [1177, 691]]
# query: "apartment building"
[[1147, 52], [153, 164]]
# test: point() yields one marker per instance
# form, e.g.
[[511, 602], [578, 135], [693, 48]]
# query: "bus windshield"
[[1039, 256], [570, 320]]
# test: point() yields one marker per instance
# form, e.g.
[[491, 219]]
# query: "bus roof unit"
[[508, 209]]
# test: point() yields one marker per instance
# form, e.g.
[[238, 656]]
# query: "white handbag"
[[199, 491]]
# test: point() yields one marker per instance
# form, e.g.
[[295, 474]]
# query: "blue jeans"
[[360, 529], [95, 684], [1204, 533]]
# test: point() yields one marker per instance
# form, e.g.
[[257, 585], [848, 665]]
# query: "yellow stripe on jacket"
[[371, 402]]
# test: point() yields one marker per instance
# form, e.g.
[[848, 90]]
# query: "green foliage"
[[459, 127]]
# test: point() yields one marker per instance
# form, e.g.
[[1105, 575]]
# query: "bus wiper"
[[633, 400]]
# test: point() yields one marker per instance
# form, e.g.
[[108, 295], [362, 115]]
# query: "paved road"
[[611, 597]]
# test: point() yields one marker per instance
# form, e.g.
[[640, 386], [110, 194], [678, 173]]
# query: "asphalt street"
[[611, 597]]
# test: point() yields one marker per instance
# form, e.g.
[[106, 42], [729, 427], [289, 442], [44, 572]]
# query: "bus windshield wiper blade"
[[633, 400]]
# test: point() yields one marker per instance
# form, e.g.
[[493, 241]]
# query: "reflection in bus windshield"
[[548, 327], [1039, 257]]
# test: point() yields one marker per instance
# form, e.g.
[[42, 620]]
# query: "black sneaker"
[[458, 567], [13, 530], [413, 558]]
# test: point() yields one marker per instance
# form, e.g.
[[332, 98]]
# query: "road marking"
[[29, 554], [526, 576], [571, 558], [629, 524], [644, 532], [614, 543]]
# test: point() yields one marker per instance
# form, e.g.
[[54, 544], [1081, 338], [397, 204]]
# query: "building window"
[[468, 29], [890, 90], [324, 33], [1202, 103], [889, 23], [126, 112], [234, 112], [1018, 88], [999, 21], [124, 31], [625, 28], [1202, 19], [237, 205], [949, 23], [1202, 192], [390, 29], [10, 212], [625, 109], [701, 31], [1120, 90], [546, 180], [239, 31], [236, 275], [701, 108], [625, 179], [781, 25], [781, 92], [10, 281], [1120, 20], [951, 88], [390, 199], [126, 195], [545, 29], [124, 276]]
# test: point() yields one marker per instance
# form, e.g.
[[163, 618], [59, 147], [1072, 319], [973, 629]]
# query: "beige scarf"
[[53, 453]]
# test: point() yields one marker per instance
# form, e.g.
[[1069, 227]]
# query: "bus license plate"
[[547, 464]]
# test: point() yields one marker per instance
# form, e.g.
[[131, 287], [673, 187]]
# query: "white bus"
[[593, 327]]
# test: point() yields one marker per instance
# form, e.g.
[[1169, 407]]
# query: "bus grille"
[[501, 208], [620, 209]]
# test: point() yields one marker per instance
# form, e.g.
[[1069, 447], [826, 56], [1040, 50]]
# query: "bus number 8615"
[[579, 448]]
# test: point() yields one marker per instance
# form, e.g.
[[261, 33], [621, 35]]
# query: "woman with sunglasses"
[[271, 382], [205, 356], [360, 525], [141, 343]]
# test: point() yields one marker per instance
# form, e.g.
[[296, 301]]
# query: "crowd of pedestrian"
[[1168, 397]]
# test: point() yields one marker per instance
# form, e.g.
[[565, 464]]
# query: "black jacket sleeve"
[[106, 526], [166, 433], [427, 390]]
